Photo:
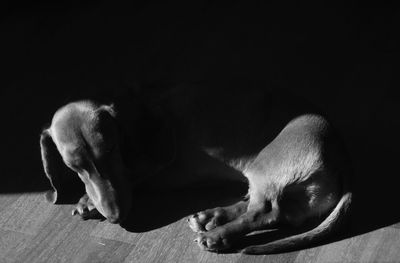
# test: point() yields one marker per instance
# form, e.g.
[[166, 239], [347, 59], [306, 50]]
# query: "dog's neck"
[[148, 144]]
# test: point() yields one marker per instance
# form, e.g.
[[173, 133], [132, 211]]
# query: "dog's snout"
[[115, 210], [112, 212], [114, 218]]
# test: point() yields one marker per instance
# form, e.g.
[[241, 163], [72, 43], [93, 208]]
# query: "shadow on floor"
[[160, 208]]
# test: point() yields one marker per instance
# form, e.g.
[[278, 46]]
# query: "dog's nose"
[[110, 210], [114, 217], [118, 215]]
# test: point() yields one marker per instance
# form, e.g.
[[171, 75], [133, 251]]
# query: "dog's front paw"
[[86, 214], [207, 220], [213, 242], [86, 209]]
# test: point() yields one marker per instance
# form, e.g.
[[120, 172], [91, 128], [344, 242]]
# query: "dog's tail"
[[330, 224]]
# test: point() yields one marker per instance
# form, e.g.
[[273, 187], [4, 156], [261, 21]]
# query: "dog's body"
[[295, 176]]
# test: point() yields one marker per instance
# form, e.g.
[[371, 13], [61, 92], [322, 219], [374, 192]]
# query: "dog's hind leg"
[[211, 218]]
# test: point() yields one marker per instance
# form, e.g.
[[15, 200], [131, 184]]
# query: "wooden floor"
[[33, 230]]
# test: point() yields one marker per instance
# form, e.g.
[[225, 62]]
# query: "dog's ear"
[[66, 186]]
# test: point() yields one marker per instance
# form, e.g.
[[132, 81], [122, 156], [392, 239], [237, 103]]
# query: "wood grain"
[[32, 230]]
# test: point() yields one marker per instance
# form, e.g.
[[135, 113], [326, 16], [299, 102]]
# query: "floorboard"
[[32, 230]]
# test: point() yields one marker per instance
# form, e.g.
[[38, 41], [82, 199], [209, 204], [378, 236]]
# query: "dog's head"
[[111, 153], [83, 139]]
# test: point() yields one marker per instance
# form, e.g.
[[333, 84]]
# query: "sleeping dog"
[[294, 164]]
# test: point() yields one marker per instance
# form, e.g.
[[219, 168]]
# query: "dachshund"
[[295, 168]]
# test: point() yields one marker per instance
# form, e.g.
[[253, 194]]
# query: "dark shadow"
[[155, 209]]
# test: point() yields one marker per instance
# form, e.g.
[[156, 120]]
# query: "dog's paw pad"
[[213, 223], [211, 243], [195, 223], [86, 212], [207, 220], [79, 210]]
